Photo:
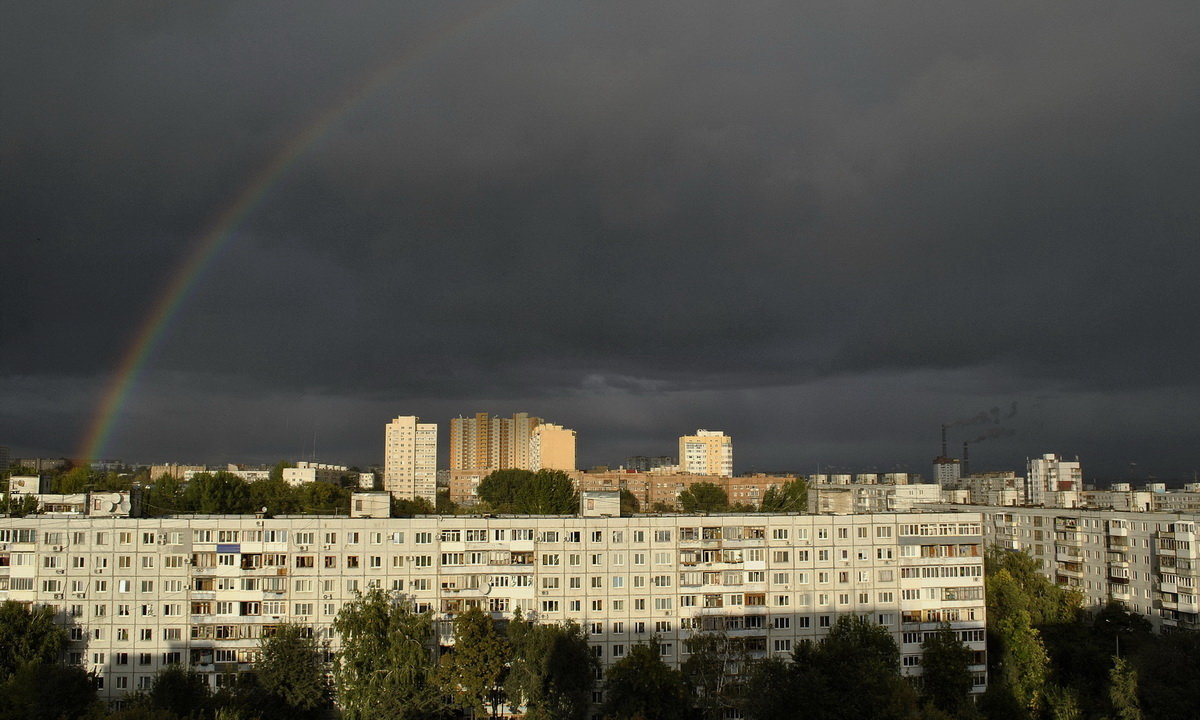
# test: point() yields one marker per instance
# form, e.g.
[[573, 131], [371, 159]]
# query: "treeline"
[[551, 492], [221, 493]]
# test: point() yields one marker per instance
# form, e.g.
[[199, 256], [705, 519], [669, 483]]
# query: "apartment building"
[[306, 472], [1049, 474], [139, 594], [552, 447], [708, 452], [410, 459], [492, 443], [1148, 561]]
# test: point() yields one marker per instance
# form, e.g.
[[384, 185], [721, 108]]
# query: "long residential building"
[[1147, 561], [140, 594]]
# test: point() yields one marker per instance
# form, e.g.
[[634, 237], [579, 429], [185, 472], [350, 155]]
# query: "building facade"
[[492, 443], [1050, 473], [552, 447], [139, 594], [1147, 561], [410, 459], [708, 452], [306, 472]]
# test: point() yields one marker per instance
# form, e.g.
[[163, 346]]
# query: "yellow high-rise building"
[[492, 443], [708, 452], [552, 448]]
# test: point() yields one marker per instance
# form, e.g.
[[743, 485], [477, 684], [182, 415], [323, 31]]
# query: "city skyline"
[[236, 232]]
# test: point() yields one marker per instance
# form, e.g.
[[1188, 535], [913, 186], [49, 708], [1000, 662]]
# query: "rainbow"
[[220, 231]]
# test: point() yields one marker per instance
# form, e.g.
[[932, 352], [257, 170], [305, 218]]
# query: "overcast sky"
[[823, 228]]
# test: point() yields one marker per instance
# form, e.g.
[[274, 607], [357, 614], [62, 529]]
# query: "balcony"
[[1071, 569], [1117, 530], [1068, 555]]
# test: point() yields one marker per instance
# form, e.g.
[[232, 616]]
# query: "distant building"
[[41, 465], [644, 463], [1049, 474], [708, 452], [173, 471], [662, 489], [410, 459], [495, 443], [249, 474], [306, 472], [947, 471], [552, 447]]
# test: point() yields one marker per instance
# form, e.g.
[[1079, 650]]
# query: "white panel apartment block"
[[139, 594]]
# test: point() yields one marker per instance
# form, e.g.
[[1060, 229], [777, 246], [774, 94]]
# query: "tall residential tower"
[[410, 459], [708, 452]]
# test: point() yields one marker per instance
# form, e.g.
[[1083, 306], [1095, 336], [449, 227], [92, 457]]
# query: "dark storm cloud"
[[826, 230]]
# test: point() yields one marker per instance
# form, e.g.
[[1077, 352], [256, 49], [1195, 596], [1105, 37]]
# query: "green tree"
[[292, 673], [1062, 703], [75, 480], [552, 670], [792, 496], [404, 506], [1122, 690], [444, 506], [217, 493], [1023, 666], [19, 505], [770, 691], [946, 675], [181, 691], [473, 671], [640, 686], [500, 487], [629, 503], [163, 497], [386, 665], [276, 496], [46, 691], [28, 636], [546, 492], [713, 660], [704, 497], [322, 498]]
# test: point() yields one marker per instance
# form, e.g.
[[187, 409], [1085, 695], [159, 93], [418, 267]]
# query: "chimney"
[[965, 461]]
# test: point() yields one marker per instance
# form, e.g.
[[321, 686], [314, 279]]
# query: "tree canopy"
[[386, 664], [792, 496], [545, 492], [640, 686], [552, 670], [28, 636], [704, 497]]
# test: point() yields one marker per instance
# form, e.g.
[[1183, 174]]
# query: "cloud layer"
[[826, 230]]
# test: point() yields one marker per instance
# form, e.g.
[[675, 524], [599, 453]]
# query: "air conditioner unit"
[[61, 571], [58, 548], [58, 596]]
